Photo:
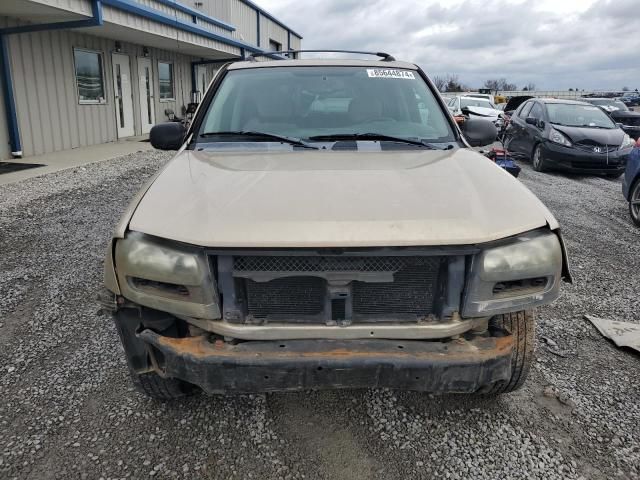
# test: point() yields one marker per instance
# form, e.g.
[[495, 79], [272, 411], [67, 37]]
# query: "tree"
[[571, 89], [529, 87], [625, 89], [453, 83], [499, 84], [440, 82]]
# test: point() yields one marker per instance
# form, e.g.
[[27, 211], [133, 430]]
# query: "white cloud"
[[555, 44]]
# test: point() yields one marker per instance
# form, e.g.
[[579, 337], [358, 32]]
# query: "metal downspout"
[[5, 66], [9, 101]]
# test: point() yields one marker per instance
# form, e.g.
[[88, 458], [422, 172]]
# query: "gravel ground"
[[68, 410]]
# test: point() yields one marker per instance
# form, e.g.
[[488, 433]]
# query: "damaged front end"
[[255, 320]]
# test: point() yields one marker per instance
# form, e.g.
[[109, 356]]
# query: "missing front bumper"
[[462, 366]]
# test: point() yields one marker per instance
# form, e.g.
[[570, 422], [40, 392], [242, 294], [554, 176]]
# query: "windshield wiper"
[[273, 136], [374, 136]]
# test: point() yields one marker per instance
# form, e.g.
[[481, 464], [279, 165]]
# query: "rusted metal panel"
[[457, 366]]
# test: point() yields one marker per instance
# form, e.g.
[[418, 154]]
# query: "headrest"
[[365, 108]]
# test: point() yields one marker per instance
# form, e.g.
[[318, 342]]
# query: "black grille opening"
[[283, 297], [300, 296], [411, 293]]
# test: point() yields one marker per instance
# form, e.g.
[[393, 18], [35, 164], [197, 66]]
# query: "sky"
[[554, 44]]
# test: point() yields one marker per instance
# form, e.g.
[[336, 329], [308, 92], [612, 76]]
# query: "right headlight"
[[556, 137], [522, 274], [166, 276]]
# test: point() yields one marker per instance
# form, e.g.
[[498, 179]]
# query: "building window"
[[89, 76], [165, 80], [275, 46]]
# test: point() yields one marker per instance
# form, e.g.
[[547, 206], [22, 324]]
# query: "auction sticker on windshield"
[[389, 73]]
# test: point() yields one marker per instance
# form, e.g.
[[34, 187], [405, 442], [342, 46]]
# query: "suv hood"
[[339, 199]]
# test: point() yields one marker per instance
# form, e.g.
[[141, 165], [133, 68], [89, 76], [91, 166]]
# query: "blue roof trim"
[[161, 17], [197, 14], [269, 16]]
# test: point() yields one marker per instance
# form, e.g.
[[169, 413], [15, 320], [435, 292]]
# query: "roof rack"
[[385, 56]]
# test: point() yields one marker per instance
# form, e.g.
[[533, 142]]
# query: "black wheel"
[[634, 202], [537, 160], [159, 388], [522, 326]]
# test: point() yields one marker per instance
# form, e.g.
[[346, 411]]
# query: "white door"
[[201, 79], [145, 80], [122, 89]]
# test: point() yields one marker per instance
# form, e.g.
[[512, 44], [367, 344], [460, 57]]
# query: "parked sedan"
[[477, 107], [568, 135], [631, 184], [631, 99], [628, 119]]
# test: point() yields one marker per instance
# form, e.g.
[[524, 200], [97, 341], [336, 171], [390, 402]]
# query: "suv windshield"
[[578, 115], [308, 102], [475, 102]]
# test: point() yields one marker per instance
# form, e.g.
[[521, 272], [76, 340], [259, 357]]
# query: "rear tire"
[[537, 160], [522, 326], [158, 388]]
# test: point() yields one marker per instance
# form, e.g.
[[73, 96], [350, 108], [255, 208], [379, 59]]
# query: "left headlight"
[[524, 273], [165, 276]]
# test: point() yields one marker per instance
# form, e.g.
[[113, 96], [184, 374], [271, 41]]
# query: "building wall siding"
[[49, 115], [126, 19]]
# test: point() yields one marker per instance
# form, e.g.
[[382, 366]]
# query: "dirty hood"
[[328, 198]]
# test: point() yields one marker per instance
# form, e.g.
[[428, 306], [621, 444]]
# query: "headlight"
[[165, 276], [627, 142], [556, 137], [522, 274]]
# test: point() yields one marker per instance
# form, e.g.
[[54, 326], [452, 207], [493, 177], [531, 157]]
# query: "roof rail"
[[385, 56]]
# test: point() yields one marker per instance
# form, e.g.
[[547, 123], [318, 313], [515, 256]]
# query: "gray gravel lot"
[[68, 410]]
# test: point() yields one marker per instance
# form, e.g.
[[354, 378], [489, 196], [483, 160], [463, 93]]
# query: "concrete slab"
[[73, 158]]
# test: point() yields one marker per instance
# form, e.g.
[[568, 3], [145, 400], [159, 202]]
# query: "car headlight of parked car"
[[523, 273], [627, 142], [556, 137], [171, 277]]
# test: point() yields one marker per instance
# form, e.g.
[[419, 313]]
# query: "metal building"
[[81, 72]]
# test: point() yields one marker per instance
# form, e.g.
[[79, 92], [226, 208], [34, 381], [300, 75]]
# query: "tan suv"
[[326, 225]]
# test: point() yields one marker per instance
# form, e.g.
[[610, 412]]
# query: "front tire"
[[522, 326], [158, 388], [634, 202], [537, 159]]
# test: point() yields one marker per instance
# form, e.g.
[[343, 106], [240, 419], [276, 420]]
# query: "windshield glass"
[[475, 102], [609, 103], [304, 102], [578, 115]]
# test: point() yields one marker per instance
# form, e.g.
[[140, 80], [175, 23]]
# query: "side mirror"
[[167, 136], [479, 132], [532, 121], [619, 125]]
